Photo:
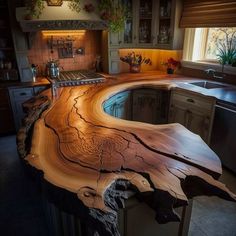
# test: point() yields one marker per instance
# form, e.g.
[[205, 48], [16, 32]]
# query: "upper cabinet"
[[168, 34], [8, 64], [150, 24]]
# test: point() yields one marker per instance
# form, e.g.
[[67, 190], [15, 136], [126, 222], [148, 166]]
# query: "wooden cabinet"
[[148, 24], [8, 66], [17, 97], [144, 105], [150, 106], [119, 105], [6, 118], [168, 35], [152, 24], [193, 110]]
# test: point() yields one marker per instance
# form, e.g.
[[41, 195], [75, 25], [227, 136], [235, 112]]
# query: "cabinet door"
[[6, 118], [145, 23], [17, 97], [198, 123], [177, 114], [115, 39], [145, 106], [194, 111], [114, 61], [119, 106], [169, 35], [129, 36]]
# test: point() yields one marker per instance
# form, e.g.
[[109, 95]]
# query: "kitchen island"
[[89, 161]]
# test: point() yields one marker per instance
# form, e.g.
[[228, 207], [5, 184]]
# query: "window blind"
[[200, 13]]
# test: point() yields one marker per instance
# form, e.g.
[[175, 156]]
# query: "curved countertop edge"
[[188, 175]]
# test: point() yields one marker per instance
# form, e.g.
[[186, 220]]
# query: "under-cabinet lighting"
[[48, 33]]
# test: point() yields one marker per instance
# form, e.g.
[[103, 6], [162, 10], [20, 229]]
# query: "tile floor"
[[21, 209]]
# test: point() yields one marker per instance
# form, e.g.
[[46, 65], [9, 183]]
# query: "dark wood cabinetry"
[[144, 105], [6, 118], [8, 66], [17, 97]]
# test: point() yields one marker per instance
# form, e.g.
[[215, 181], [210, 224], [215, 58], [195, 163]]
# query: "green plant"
[[227, 48], [74, 5], [114, 12], [34, 7]]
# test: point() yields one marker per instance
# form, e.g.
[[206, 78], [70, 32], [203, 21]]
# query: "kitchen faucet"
[[212, 72]]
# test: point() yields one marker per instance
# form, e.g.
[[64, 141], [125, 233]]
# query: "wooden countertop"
[[41, 81], [102, 159]]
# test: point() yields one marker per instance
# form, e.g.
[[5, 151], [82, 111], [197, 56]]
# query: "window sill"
[[200, 65]]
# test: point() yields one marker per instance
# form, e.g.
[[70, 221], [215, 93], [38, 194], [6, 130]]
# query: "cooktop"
[[78, 77]]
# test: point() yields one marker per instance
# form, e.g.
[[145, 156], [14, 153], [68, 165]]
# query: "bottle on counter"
[[34, 72]]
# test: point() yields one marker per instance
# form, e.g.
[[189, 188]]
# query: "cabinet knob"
[[22, 94], [153, 37], [190, 100]]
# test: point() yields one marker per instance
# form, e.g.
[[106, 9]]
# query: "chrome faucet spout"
[[210, 71], [214, 74]]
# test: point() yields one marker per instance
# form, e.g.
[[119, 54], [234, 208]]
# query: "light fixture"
[[59, 33]]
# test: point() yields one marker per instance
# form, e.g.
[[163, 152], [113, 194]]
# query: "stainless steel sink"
[[208, 84]]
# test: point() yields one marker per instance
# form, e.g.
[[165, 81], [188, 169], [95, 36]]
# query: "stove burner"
[[73, 78]]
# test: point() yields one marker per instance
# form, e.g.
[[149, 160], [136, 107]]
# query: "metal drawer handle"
[[190, 100], [22, 94]]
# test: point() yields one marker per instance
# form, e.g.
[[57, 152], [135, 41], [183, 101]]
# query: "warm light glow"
[[48, 33]]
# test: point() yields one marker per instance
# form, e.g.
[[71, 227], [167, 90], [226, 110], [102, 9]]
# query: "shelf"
[[6, 49], [164, 17]]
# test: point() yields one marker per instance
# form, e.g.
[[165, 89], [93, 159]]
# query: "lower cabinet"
[[6, 117], [150, 105], [17, 97], [119, 105], [156, 106], [144, 105], [193, 110], [135, 219]]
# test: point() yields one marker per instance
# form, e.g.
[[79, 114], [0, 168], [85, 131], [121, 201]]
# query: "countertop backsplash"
[[41, 51]]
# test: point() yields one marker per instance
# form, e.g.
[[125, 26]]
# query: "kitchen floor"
[[21, 211]]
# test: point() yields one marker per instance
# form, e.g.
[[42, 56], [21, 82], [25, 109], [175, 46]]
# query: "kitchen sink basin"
[[208, 85]]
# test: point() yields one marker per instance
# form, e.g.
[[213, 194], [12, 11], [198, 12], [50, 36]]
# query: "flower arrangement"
[[135, 61], [171, 65]]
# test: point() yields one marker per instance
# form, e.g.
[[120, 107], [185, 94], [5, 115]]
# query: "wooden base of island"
[[135, 219]]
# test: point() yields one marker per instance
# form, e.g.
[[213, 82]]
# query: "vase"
[[135, 68], [170, 71]]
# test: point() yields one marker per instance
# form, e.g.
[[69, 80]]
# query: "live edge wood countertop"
[[91, 161]]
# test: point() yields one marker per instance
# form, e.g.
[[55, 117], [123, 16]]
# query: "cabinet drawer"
[[192, 101], [19, 93], [39, 89]]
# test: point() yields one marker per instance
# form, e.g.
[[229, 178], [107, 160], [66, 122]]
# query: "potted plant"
[[34, 8], [227, 48], [74, 5], [114, 13], [171, 65], [135, 61]]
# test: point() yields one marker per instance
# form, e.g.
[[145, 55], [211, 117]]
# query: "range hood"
[[61, 18]]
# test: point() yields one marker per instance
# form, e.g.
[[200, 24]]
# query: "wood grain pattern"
[[104, 160]]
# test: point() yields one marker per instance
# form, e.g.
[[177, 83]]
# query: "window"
[[202, 45]]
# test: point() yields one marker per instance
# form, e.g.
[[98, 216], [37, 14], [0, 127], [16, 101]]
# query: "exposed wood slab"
[[103, 159]]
